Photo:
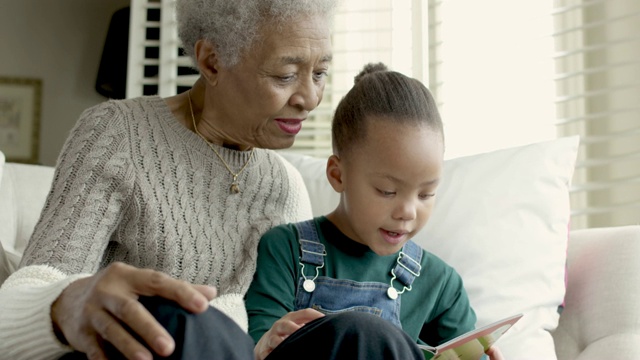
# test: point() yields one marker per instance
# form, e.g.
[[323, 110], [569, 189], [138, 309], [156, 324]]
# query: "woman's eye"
[[319, 75], [286, 78]]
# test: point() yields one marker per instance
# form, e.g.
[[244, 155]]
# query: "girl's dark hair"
[[386, 94]]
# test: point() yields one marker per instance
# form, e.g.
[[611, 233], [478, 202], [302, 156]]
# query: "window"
[[487, 102], [494, 87], [504, 72], [598, 67], [494, 73], [365, 31]]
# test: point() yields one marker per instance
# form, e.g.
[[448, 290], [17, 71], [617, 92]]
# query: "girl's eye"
[[426, 196], [386, 193]]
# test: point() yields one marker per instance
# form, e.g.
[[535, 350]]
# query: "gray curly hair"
[[233, 25]]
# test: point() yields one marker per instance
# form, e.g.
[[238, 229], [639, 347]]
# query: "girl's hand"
[[282, 328], [494, 353]]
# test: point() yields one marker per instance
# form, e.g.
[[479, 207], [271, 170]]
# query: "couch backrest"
[[23, 190], [323, 198]]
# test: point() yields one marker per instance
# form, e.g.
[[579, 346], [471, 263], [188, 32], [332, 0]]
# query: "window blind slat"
[[598, 62]]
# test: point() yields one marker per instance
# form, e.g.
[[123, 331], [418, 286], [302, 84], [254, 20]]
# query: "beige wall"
[[60, 42]]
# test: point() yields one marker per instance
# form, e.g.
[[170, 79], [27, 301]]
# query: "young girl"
[[387, 164]]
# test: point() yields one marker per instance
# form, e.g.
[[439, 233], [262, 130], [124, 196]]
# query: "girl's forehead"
[[391, 140]]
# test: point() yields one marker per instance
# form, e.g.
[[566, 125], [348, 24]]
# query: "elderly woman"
[[157, 204]]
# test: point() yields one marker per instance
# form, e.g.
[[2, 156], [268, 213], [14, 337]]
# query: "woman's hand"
[[282, 328], [95, 309], [494, 353]]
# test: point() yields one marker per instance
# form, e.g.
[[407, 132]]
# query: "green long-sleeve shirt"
[[435, 310]]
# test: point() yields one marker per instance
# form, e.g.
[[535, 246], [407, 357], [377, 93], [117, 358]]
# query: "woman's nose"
[[307, 95]]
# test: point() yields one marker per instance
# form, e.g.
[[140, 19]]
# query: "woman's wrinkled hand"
[[96, 309], [282, 328]]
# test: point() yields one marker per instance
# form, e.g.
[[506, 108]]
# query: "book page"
[[472, 345]]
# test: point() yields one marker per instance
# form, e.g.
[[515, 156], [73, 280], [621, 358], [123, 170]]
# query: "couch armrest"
[[601, 318], [23, 191]]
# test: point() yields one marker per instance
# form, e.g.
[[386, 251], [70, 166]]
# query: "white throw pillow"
[[501, 220]]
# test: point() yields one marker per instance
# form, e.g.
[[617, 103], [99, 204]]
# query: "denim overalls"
[[329, 295]]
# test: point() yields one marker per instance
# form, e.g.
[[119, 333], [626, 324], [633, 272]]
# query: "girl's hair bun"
[[370, 69]]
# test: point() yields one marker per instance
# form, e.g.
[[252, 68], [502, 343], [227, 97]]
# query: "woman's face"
[[263, 100]]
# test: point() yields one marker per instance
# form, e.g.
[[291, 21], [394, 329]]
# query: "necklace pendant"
[[234, 188]]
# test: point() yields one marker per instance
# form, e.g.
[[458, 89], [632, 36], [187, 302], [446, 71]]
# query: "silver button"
[[392, 293], [309, 285]]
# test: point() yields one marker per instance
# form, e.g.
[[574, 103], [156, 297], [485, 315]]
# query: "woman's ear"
[[335, 173], [208, 61]]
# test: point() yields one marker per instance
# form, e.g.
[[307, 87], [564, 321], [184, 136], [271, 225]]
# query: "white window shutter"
[[155, 64]]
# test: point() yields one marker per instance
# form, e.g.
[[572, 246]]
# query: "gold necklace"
[[235, 188]]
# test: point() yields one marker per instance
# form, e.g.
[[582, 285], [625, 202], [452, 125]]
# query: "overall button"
[[309, 286], [392, 293]]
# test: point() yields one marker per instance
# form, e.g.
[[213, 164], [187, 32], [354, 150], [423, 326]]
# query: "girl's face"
[[388, 183], [263, 100]]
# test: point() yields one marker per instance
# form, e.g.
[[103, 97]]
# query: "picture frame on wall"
[[20, 102]]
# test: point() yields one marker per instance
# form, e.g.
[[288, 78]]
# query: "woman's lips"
[[290, 126]]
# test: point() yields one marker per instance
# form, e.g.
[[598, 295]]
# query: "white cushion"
[[23, 191], [1, 165], [5, 269], [501, 219], [323, 198], [601, 318]]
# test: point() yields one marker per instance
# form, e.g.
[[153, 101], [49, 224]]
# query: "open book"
[[472, 345]]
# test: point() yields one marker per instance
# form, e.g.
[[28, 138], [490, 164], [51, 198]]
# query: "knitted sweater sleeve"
[[25, 315], [81, 211], [92, 185]]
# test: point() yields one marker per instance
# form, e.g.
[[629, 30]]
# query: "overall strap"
[[311, 249], [408, 264]]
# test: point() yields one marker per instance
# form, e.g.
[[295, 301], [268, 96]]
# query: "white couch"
[[601, 319]]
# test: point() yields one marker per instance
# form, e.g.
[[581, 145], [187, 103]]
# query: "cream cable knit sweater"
[[133, 185]]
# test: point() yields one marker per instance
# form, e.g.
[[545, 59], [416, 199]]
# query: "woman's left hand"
[[494, 353], [282, 328]]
